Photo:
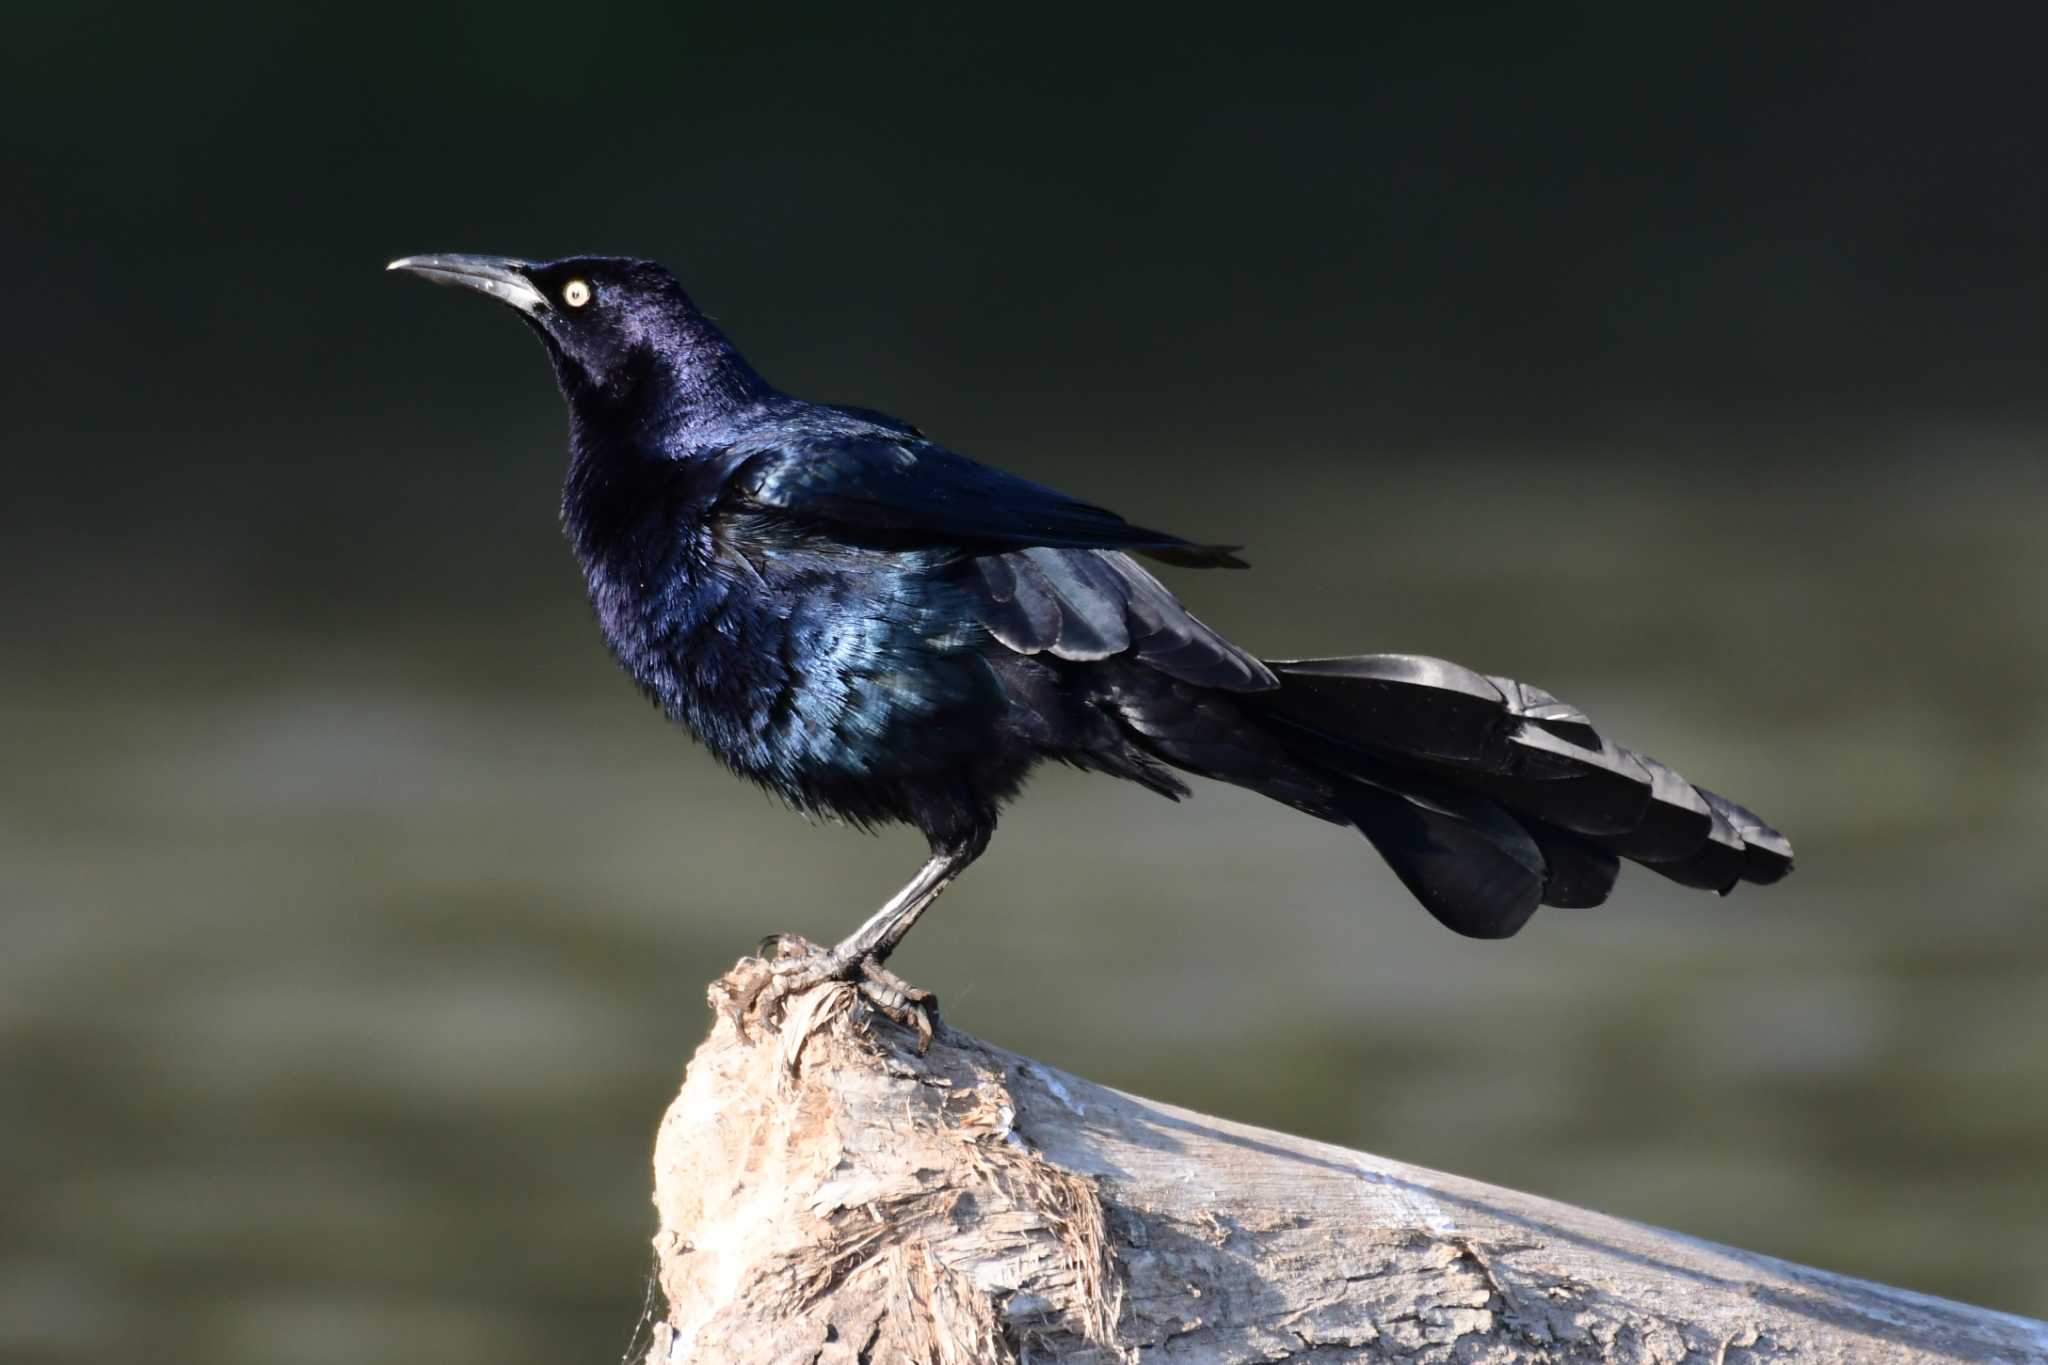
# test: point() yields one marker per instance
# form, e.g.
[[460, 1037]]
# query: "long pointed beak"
[[502, 277]]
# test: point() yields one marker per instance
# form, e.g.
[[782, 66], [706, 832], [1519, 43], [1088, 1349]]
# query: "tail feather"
[[1489, 796], [1472, 867], [1577, 875], [1738, 848]]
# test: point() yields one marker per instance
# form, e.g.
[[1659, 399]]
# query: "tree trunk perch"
[[829, 1197]]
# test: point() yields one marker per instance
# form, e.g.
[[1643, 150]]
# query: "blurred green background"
[[355, 915]]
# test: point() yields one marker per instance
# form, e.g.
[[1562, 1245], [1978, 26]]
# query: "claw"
[[901, 1001], [786, 947], [783, 956], [794, 965], [740, 1003], [909, 1014]]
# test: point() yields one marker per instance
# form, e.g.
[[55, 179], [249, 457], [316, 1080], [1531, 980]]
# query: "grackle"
[[880, 630]]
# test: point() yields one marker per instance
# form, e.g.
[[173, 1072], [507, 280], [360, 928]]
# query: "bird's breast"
[[794, 672]]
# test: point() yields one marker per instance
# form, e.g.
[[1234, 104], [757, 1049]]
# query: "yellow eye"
[[576, 293]]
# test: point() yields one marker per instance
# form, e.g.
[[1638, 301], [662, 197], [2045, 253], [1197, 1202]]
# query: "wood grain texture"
[[828, 1196]]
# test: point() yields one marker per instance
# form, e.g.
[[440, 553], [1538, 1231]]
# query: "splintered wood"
[[829, 1197]]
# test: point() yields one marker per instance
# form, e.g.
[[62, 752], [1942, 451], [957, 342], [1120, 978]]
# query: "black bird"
[[878, 629]]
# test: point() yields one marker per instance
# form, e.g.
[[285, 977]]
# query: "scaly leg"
[[800, 965], [888, 926]]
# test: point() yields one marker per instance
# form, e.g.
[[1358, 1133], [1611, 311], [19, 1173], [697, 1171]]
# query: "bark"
[[829, 1196]]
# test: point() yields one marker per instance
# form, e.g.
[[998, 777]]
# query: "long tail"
[[1490, 797]]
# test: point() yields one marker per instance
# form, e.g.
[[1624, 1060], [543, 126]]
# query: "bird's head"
[[610, 324]]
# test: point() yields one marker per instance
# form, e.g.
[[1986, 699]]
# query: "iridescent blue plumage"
[[879, 629], [822, 594]]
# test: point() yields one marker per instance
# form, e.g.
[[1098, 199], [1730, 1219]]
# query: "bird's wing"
[[1091, 604], [895, 489]]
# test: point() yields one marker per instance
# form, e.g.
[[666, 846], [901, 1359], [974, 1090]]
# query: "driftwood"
[[828, 1196]]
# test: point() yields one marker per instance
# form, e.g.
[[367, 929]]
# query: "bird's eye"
[[576, 293]]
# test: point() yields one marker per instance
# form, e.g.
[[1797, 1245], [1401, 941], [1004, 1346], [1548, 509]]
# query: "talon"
[[790, 964], [785, 947], [897, 998], [874, 971], [898, 1007], [794, 965], [734, 1006]]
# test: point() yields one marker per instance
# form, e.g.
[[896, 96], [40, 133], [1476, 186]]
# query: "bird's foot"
[[796, 965]]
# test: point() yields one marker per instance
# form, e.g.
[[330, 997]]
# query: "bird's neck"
[[643, 447], [674, 391], [699, 377]]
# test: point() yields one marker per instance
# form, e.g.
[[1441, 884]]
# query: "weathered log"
[[828, 1195]]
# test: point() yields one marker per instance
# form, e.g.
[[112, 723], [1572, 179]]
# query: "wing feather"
[[1091, 604], [898, 489]]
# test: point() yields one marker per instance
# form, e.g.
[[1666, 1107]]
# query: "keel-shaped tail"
[[1490, 797]]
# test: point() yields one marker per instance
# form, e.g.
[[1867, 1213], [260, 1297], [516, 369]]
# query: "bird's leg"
[[858, 958], [888, 926]]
